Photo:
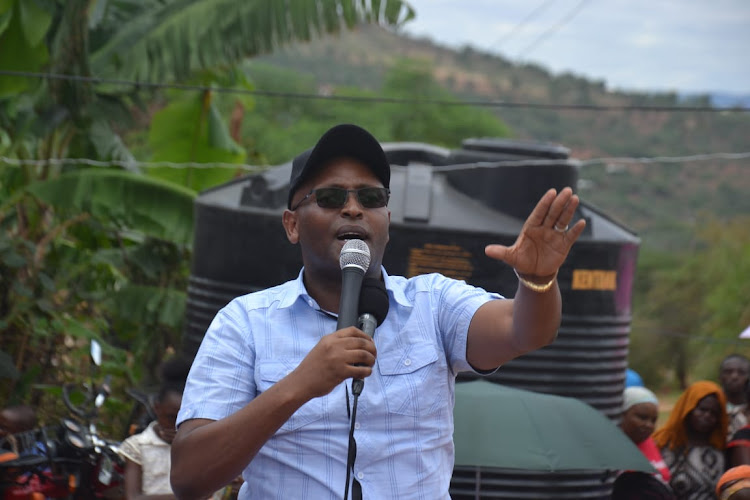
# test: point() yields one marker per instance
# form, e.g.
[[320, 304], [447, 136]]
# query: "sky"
[[684, 46]]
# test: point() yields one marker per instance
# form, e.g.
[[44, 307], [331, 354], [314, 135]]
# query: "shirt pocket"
[[271, 372], [411, 379]]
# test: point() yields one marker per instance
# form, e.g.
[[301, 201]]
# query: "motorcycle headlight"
[[71, 425], [75, 440]]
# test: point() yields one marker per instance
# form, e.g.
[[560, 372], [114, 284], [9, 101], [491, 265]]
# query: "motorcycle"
[[70, 460]]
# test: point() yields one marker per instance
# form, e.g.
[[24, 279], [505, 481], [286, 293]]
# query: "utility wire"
[[691, 337], [16, 162], [363, 99], [538, 10], [573, 13]]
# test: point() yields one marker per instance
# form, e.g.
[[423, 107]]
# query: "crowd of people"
[[702, 451]]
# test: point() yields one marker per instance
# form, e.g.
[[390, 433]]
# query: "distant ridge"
[[663, 202], [722, 100]]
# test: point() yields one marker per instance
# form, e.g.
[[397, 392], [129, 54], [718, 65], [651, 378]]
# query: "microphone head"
[[373, 299], [355, 253]]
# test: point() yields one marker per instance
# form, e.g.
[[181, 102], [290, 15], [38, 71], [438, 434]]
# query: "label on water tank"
[[450, 260], [594, 279]]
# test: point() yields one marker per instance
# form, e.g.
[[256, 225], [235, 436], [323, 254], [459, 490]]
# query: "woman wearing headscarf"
[[693, 439], [640, 410]]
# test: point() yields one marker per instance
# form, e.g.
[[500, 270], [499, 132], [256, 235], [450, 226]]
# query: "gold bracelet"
[[533, 286]]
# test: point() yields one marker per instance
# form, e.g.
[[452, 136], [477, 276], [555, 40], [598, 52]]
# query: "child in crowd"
[[148, 454]]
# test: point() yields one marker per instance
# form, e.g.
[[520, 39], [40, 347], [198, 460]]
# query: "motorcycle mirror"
[[96, 352]]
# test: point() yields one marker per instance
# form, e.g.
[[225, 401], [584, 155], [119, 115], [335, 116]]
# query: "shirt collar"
[[295, 291], [397, 292], [298, 291]]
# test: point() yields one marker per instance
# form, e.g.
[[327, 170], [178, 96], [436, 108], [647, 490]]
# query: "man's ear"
[[289, 220]]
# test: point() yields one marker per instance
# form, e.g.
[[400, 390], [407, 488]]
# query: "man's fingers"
[[556, 215], [495, 251], [542, 208], [352, 338], [576, 231], [567, 214], [361, 358]]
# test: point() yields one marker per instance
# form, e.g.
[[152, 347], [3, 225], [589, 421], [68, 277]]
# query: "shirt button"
[[407, 362], [356, 425], [360, 475]]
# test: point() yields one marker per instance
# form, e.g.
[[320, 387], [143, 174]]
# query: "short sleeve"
[[222, 376], [131, 449]]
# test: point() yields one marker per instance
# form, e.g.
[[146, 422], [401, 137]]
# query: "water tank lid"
[[516, 147]]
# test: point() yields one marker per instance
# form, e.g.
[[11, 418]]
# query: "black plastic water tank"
[[444, 210], [446, 206]]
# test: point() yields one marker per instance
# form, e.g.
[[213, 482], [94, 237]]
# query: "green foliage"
[[82, 256], [692, 306], [170, 40], [104, 254], [23, 25], [189, 131], [152, 207], [421, 120], [280, 128]]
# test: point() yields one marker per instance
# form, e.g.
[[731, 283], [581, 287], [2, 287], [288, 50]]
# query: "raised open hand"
[[545, 239]]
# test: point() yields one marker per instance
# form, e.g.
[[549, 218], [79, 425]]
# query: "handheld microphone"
[[373, 308], [354, 261]]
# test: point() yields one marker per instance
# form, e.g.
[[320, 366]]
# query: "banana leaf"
[[150, 206]]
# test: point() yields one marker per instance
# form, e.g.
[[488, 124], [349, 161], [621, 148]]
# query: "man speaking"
[[270, 392]]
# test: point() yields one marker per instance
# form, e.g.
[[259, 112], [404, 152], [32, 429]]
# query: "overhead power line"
[[60, 162], [667, 159], [364, 99], [538, 10], [573, 13]]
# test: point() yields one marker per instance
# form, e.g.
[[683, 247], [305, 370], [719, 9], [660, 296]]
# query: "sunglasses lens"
[[331, 197], [373, 197]]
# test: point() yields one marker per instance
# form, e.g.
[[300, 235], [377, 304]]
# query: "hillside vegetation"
[[663, 202]]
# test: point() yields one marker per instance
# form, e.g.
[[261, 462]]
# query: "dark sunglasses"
[[333, 197]]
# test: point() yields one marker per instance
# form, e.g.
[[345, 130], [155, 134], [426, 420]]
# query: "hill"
[[663, 201]]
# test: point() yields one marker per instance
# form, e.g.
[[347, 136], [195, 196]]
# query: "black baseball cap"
[[341, 140]]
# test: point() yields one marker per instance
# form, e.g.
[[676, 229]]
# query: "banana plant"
[[104, 252]]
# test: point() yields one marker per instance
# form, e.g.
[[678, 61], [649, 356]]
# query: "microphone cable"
[[351, 454]]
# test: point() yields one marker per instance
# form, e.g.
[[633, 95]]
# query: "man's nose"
[[352, 202]]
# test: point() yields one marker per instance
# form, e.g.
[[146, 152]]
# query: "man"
[[269, 392], [734, 371]]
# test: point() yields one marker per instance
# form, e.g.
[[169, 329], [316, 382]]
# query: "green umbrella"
[[498, 426]]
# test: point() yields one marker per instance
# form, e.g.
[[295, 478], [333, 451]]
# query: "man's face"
[[322, 232], [733, 375]]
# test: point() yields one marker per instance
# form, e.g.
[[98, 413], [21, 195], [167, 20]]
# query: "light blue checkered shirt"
[[404, 428]]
